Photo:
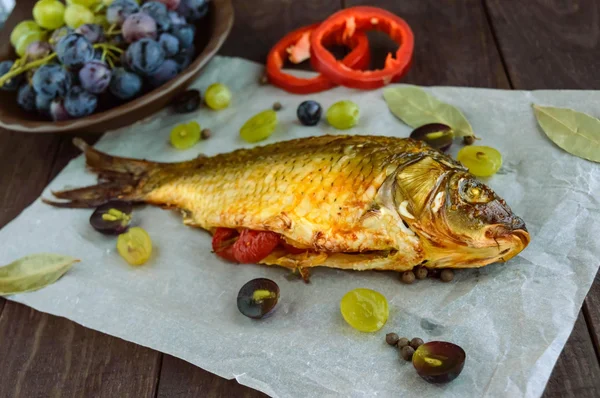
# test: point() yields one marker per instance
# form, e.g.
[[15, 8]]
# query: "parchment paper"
[[512, 319]]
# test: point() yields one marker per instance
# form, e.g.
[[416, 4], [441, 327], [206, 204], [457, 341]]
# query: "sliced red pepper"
[[246, 247], [222, 243], [349, 22], [294, 44], [253, 246]]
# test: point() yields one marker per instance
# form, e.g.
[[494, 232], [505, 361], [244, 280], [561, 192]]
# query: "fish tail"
[[119, 179]]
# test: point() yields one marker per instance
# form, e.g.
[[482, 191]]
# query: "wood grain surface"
[[542, 44], [49, 356], [549, 44]]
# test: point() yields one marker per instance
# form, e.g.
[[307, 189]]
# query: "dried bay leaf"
[[575, 132], [416, 108], [33, 272]]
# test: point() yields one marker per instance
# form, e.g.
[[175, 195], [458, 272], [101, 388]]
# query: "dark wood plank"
[[591, 310], [576, 373], [260, 24], [44, 355], [453, 43], [182, 379], [549, 44]]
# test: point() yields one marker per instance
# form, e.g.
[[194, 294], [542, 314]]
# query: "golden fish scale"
[[314, 192]]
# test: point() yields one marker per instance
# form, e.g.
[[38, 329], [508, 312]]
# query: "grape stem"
[[108, 47], [5, 78]]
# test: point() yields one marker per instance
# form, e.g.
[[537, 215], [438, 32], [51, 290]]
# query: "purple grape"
[[138, 26], [176, 19], [91, 31], [95, 77], [79, 102], [124, 84], [158, 12], [51, 80], [185, 34], [38, 50], [168, 70], [26, 97], [13, 83], [144, 56], [42, 103], [74, 50], [58, 111], [59, 34], [169, 43], [119, 10], [193, 10], [184, 58]]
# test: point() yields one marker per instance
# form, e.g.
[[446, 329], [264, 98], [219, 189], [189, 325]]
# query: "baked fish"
[[349, 202]]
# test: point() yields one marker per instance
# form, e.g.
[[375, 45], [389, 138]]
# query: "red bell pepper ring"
[[246, 247], [294, 44], [350, 22]]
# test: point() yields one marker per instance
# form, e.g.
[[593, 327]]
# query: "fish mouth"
[[512, 243]]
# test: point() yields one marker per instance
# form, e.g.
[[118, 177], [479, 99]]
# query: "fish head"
[[463, 223]]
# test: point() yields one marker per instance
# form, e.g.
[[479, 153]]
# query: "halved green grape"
[[343, 115], [184, 136], [259, 127], [217, 96], [22, 29], [135, 246], [49, 14], [77, 15], [482, 161], [439, 361], [27, 39], [364, 309]]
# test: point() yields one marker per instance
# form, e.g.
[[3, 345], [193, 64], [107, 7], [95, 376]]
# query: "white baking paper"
[[512, 319]]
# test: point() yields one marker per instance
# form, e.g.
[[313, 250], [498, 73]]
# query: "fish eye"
[[472, 191]]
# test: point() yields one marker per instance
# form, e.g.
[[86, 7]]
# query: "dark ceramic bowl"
[[211, 33]]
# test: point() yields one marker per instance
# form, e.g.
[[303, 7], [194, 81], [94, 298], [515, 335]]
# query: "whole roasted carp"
[[350, 202]]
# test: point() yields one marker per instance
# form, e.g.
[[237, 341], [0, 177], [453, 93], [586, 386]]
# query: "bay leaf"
[[415, 107], [575, 132], [33, 272]]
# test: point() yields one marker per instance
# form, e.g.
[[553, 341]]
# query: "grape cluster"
[[78, 55]]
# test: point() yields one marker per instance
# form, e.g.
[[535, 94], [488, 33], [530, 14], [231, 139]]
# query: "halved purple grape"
[[436, 135], [258, 298], [187, 101], [439, 361], [112, 218]]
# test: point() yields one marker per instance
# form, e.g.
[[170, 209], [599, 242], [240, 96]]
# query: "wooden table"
[[507, 44]]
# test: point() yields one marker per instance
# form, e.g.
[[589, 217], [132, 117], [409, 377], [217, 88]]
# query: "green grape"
[[22, 29], [364, 309], [77, 15], [135, 246], [49, 14], [86, 3], [259, 127], [343, 115], [27, 39], [100, 19], [482, 161], [184, 136], [217, 96]]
